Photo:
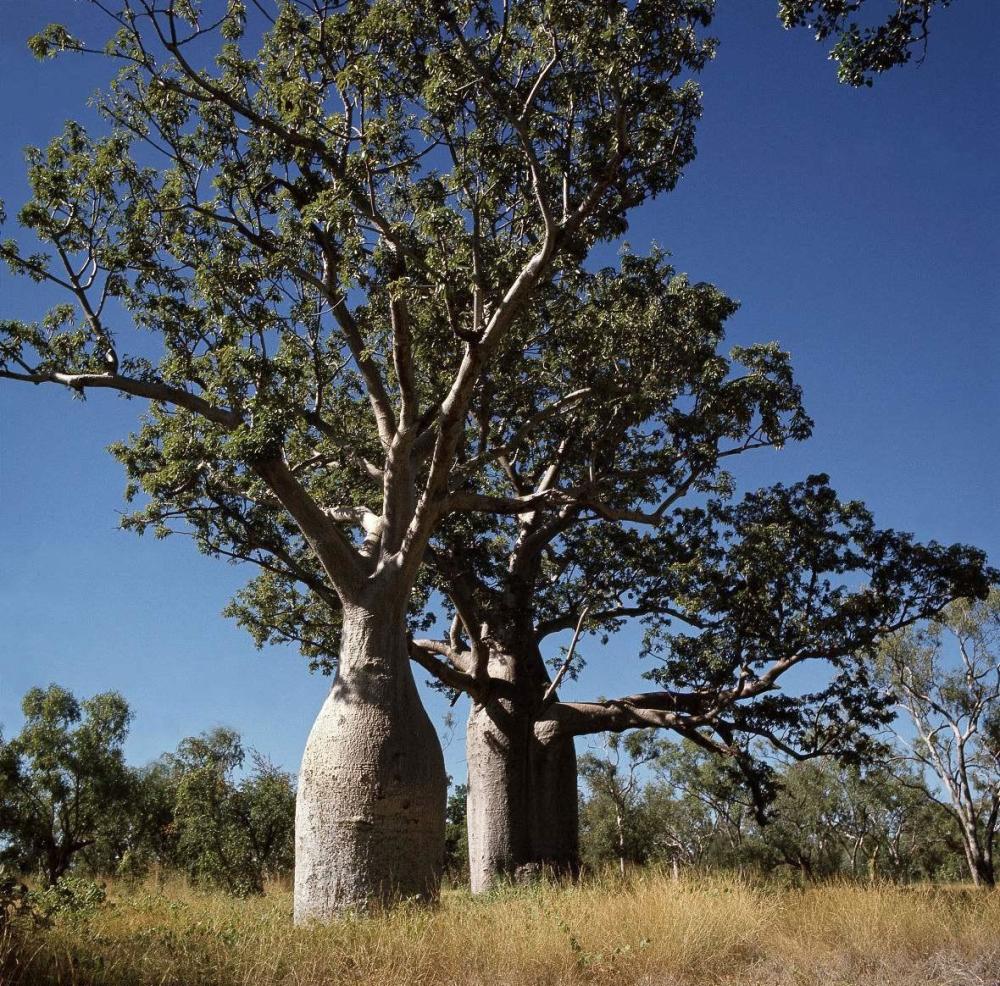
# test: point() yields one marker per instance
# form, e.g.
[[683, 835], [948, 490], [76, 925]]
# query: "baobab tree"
[[734, 598], [309, 262], [523, 806]]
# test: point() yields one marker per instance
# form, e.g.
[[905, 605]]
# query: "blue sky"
[[858, 228]]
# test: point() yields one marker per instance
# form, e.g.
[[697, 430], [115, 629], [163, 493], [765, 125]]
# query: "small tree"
[[63, 778], [144, 836], [235, 834], [615, 778], [890, 829], [701, 807], [950, 695]]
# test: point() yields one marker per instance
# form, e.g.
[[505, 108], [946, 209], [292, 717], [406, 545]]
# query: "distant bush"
[[63, 779]]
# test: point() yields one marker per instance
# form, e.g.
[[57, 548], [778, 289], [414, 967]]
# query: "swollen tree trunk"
[[369, 817], [522, 802]]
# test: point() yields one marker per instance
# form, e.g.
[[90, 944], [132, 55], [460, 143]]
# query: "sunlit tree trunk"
[[369, 825]]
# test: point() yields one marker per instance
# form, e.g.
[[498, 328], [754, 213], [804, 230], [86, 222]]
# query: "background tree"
[[456, 860], [809, 829], [63, 779], [947, 675], [701, 812], [234, 833], [888, 827], [863, 51], [615, 780], [330, 243], [143, 836]]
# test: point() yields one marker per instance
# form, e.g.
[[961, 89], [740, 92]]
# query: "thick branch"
[[154, 390], [343, 564], [423, 652]]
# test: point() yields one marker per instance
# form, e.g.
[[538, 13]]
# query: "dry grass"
[[646, 930]]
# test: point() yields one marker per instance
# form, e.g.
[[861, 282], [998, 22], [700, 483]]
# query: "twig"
[[551, 690]]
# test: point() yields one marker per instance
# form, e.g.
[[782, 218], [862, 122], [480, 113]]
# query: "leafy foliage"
[[234, 834], [864, 51], [342, 230], [613, 817], [69, 895], [62, 778]]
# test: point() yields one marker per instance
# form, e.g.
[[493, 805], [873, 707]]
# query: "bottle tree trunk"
[[522, 801], [369, 818]]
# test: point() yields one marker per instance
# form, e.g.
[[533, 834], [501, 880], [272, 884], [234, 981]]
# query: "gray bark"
[[522, 802], [369, 819]]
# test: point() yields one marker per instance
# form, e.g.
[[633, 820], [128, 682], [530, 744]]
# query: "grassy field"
[[645, 930]]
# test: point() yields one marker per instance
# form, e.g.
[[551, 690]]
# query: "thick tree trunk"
[[369, 818], [57, 859], [522, 802]]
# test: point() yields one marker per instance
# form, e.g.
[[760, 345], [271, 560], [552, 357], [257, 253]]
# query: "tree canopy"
[[62, 777], [332, 246]]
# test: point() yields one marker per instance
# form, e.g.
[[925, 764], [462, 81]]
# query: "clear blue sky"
[[858, 228]]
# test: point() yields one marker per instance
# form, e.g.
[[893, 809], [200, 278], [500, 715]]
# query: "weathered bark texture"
[[522, 801], [369, 819]]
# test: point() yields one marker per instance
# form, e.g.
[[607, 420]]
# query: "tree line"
[[360, 239], [922, 804], [69, 802], [828, 820]]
